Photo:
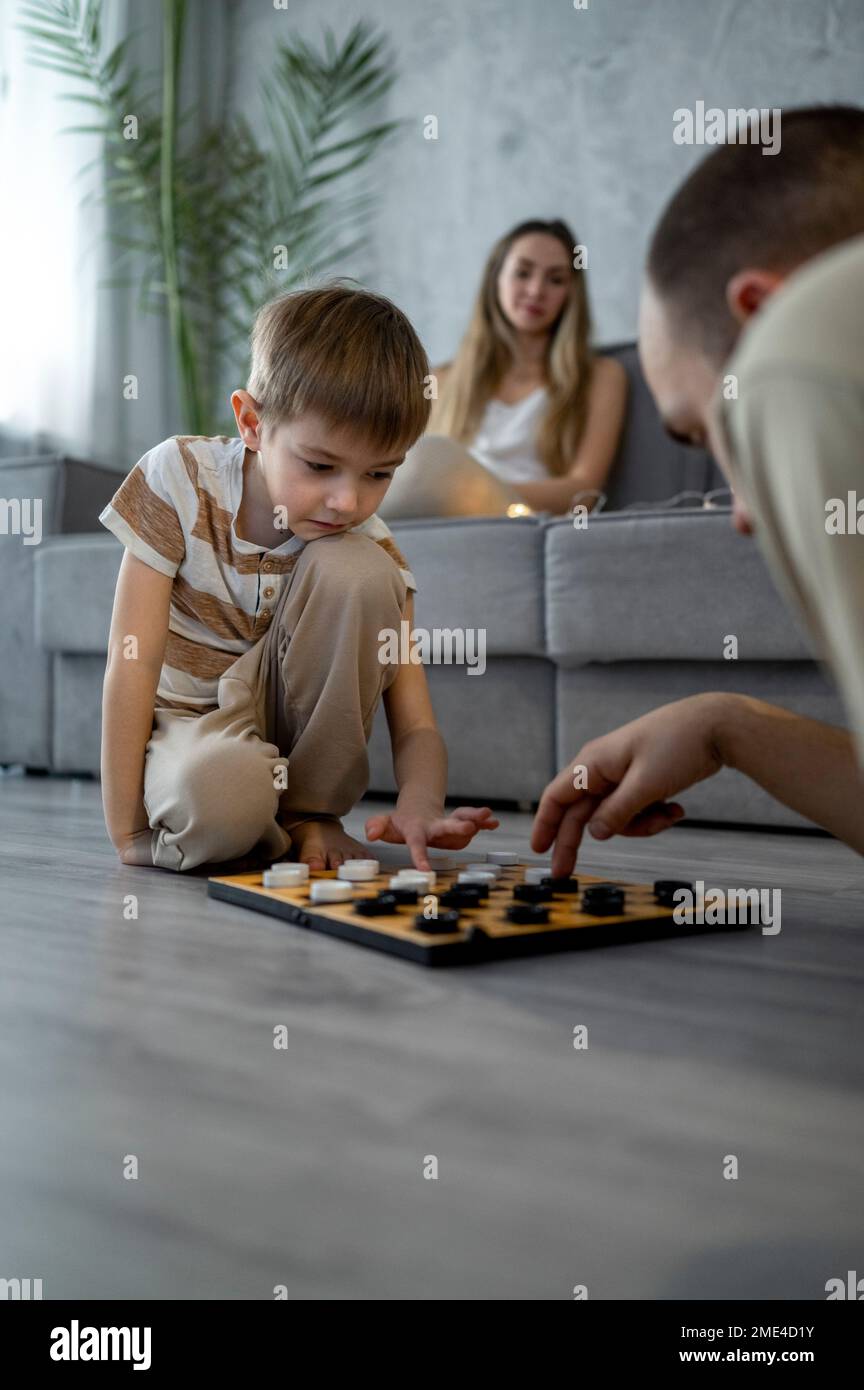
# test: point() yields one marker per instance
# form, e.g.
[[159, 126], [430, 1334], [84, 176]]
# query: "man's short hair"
[[740, 208]]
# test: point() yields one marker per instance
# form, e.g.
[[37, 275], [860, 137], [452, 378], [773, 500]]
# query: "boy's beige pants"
[[296, 708]]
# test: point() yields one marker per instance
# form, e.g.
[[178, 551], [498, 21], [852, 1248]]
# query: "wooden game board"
[[482, 933]]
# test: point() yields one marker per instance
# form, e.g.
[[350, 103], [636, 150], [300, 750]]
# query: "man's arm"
[[809, 766], [141, 606], [632, 773]]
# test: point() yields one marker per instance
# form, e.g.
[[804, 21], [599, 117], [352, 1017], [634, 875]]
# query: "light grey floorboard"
[[304, 1167]]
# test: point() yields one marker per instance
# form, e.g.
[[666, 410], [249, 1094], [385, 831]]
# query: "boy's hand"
[[419, 828], [631, 774], [136, 849]]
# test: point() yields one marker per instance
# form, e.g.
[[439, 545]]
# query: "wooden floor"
[[303, 1167]]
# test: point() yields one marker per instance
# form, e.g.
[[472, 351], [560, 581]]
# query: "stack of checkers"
[[326, 890]]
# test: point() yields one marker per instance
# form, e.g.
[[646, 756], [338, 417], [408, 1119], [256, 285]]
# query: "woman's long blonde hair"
[[487, 350]]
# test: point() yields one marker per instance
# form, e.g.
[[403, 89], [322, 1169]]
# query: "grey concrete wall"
[[545, 110]]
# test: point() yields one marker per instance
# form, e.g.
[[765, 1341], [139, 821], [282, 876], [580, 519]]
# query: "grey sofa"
[[584, 628], [72, 492]]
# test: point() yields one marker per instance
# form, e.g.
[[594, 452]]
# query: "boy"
[[755, 277], [243, 667]]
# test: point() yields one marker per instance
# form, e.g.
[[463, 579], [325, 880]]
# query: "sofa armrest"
[[49, 494], [71, 492]]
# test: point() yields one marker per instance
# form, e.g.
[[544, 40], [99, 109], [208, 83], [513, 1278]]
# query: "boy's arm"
[[419, 751], [420, 764], [141, 608]]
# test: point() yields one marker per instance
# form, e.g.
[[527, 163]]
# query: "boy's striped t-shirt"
[[176, 511]]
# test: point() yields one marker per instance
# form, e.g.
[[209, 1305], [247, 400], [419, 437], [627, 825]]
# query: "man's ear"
[[747, 291]]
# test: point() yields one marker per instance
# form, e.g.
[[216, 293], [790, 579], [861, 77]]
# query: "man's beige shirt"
[[795, 436]]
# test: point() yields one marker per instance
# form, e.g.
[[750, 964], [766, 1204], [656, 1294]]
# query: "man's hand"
[[421, 827], [630, 775]]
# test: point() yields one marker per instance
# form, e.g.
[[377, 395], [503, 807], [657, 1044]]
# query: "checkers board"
[[446, 925]]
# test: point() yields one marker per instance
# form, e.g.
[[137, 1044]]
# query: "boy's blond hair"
[[345, 354]]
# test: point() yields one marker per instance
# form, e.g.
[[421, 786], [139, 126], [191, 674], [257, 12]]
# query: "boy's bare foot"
[[323, 844]]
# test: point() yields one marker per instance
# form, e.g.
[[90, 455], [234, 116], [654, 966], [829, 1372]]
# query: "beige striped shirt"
[[176, 511]]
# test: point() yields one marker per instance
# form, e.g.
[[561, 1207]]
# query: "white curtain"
[[49, 262], [66, 344]]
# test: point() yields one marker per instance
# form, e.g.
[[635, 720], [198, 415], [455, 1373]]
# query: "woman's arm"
[[606, 406]]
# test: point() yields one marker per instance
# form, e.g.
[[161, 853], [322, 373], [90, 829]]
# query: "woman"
[[524, 397]]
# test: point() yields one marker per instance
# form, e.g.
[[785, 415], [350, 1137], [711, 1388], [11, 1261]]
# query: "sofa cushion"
[[75, 579], [499, 729], [76, 731], [595, 699], [649, 466], [662, 586], [482, 574], [479, 572]]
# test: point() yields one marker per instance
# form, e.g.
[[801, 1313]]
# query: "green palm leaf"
[[204, 211]]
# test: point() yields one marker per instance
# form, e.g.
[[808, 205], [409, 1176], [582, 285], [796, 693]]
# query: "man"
[[752, 343]]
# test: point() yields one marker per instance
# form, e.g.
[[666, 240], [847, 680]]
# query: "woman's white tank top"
[[506, 442]]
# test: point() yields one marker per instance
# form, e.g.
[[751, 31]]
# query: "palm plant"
[[220, 222]]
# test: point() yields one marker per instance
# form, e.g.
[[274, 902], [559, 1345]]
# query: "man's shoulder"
[[813, 324]]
